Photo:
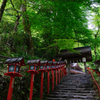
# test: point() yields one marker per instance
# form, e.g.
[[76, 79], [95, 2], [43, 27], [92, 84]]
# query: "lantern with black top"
[[33, 66], [14, 65], [43, 66], [59, 70], [62, 68], [48, 75], [42, 69], [50, 64], [56, 71], [33, 69], [53, 67]]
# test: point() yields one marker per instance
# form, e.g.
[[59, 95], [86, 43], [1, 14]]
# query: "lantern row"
[[37, 65], [14, 65]]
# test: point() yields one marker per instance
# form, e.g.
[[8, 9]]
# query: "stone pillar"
[[68, 69], [84, 61]]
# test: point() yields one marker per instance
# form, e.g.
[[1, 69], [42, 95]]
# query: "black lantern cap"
[[15, 60], [55, 62], [50, 62], [33, 61], [44, 62], [58, 62], [62, 62]]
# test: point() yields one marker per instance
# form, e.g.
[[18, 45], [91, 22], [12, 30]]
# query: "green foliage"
[[65, 44], [53, 24], [63, 21]]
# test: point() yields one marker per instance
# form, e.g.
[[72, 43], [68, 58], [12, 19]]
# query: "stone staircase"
[[74, 87]]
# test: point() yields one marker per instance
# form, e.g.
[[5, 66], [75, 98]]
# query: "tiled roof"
[[33, 61], [77, 55], [13, 60]]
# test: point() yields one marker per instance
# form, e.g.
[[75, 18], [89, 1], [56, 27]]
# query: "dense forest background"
[[41, 28]]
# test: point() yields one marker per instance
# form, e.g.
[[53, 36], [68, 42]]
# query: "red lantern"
[[42, 69], [59, 67], [50, 63], [48, 75], [53, 67], [56, 70], [33, 66], [14, 65], [33, 69], [62, 64]]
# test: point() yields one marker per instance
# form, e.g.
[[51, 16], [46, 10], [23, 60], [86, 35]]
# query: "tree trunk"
[[2, 8], [16, 23], [68, 68], [27, 30]]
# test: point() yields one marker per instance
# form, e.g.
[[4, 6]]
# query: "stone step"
[[80, 85], [72, 96], [74, 87], [70, 99], [75, 91], [82, 94]]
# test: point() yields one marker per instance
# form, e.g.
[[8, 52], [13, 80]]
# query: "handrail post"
[[95, 83]]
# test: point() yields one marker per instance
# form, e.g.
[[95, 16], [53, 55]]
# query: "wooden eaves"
[[76, 57]]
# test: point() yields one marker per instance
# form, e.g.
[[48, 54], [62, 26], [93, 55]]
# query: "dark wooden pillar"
[[85, 67]]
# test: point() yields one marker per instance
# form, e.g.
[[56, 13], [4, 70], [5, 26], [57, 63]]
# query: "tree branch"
[[16, 23], [14, 6], [45, 53]]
